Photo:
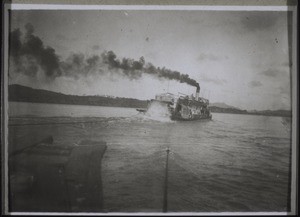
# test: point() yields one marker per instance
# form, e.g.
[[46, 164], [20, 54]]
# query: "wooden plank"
[[28, 142], [83, 177]]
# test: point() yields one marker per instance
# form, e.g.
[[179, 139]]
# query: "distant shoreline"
[[54, 103], [19, 93], [278, 113], [248, 113], [242, 113]]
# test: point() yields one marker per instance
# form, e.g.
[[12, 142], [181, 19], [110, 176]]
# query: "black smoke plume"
[[77, 66], [132, 68], [29, 54]]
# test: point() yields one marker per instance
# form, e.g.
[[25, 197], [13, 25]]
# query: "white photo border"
[[294, 84]]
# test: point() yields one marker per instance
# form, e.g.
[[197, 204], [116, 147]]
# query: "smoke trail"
[[28, 55], [132, 68]]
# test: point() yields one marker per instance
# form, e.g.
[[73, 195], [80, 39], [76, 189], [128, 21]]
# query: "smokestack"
[[197, 92]]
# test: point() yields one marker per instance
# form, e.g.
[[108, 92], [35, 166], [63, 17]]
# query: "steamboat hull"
[[185, 110], [189, 109], [195, 118]]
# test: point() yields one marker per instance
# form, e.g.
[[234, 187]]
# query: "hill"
[[19, 93], [222, 105], [231, 110], [284, 113]]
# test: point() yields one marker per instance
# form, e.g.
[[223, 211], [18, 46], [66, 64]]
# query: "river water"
[[231, 163]]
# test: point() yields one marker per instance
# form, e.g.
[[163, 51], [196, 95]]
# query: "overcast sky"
[[240, 58]]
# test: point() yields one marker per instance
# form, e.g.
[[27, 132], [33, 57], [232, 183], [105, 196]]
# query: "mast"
[[165, 205]]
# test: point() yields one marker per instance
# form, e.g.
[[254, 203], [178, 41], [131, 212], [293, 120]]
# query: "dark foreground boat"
[[182, 107]]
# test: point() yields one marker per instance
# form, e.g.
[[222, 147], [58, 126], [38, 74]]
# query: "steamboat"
[[182, 107]]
